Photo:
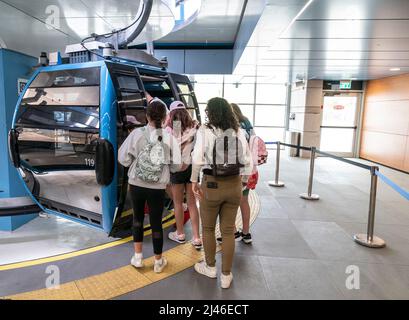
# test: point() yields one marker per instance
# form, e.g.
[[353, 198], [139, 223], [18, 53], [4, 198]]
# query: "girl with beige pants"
[[219, 194]]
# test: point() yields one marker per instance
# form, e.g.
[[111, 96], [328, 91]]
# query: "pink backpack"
[[258, 150]]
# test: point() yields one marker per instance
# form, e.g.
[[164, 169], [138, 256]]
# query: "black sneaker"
[[237, 237], [246, 238]]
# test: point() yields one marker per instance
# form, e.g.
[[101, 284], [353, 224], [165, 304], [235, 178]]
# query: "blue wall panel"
[[13, 66]]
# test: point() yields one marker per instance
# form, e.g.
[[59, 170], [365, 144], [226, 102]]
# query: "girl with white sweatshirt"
[[151, 154]]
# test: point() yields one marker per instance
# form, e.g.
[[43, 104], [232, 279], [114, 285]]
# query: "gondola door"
[[186, 94], [131, 113]]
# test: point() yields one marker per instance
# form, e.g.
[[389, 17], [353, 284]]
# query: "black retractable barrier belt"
[[364, 166], [296, 147], [361, 165]]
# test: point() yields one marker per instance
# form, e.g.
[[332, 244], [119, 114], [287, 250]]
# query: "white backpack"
[[150, 161]]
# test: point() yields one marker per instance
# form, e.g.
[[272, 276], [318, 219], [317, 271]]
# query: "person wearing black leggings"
[[155, 200], [145, 188]]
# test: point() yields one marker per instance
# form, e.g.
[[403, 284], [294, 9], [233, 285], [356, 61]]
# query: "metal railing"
[[368, 239]]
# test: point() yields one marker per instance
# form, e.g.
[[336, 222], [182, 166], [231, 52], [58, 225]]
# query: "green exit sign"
[[345, 84]]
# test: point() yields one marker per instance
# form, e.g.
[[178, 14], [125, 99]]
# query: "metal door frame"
[[358, 113]]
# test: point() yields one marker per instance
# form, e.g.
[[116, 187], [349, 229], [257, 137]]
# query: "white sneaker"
[[160, 265], [226, 280], [179, 238], [205, 270], [197, 243], [137, 261]]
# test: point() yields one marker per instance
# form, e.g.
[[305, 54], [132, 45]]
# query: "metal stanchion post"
[[276, 182], [369, 240], [309, 195]]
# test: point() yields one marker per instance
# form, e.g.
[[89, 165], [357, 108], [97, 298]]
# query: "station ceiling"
[[318, 39], [330, 39]]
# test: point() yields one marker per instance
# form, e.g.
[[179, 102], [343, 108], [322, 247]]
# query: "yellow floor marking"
[[30, 263], [78, 253], [112, 284], [67, 291], [190, 251], [127, 279], [177, 262]]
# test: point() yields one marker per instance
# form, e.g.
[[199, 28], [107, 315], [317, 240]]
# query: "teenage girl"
[[152, 193], [219, 194], [183, 128]]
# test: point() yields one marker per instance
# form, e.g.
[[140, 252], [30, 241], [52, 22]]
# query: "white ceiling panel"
[[217, 22], [348, 29], [332, 39], [20, 33], [111, 8], [357, 9], [49, 25]]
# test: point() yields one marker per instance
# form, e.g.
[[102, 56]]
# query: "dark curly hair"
[[220, 115]]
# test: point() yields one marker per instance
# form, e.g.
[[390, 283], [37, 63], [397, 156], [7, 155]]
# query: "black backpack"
[[221, 166]]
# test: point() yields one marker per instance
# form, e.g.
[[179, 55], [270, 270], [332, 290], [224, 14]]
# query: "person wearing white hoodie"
[[183, 128], [147, 186]]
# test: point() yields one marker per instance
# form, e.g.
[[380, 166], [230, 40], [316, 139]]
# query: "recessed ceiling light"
[[394, 69]]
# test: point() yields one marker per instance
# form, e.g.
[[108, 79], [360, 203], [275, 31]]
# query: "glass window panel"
[[44, 149], [271, 94], [233, 79], [239, 93], [127, 82], [67, 78], [337, 140], [187, 99], [270, 134], [60, 117], [206, 78], [206, 91], [339, 111], [134, 118], [202, 107], [183, 88], [71, 96], [270, 116]]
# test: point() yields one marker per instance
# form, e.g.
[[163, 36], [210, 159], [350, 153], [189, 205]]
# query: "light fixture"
[[296, 17], [394, 69]]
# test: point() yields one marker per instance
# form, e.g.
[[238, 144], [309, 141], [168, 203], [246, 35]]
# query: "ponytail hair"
[[156, 111]]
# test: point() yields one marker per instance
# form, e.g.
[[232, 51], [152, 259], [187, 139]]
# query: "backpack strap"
[[214, 158]]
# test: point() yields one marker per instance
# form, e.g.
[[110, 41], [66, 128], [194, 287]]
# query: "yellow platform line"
[[127, 279], [35, 262]]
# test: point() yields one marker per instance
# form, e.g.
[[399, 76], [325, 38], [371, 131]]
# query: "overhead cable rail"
[[368, 239]]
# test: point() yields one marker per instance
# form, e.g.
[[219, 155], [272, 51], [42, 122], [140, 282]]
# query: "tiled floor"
[[302, 249]]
